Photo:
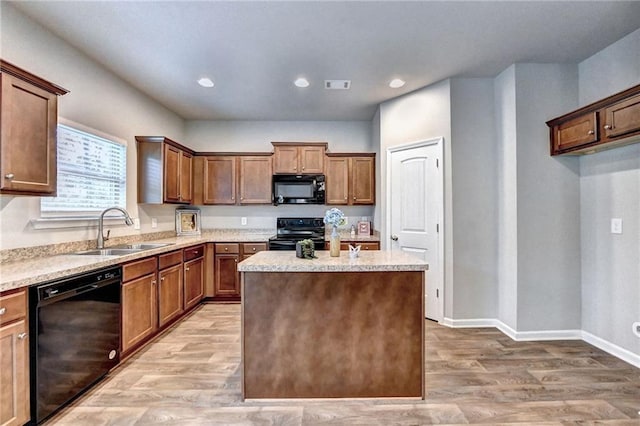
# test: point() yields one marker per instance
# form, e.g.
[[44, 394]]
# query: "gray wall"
[[610, 187], [548, 205], [422, 114], [97, 99], [507, 198], [475, 234]]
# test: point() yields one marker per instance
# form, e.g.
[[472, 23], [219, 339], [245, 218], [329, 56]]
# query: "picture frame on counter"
[[364, 227], [188, 221]]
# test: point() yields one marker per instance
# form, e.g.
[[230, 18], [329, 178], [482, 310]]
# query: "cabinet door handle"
[[2, 311], [302, 167], [254, 249], [591, 132], [186, 269], [608, 127], [153, 282], [226, 249], [394, 237], [354, 198], [22, 336], [9, 176], [162, 279]]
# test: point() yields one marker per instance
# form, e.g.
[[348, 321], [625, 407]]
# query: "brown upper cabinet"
[[233, 179], [350, 179], [608, 123], [164, 171], [299, 157], [29, 117]]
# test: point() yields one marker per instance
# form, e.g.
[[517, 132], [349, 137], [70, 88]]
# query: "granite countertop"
[[23, 273], [369, 261]]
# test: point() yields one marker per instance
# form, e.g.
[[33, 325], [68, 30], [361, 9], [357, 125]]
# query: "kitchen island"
[[333, 327]]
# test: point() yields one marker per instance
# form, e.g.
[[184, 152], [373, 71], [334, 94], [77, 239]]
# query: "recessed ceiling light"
[[301, 82], [205, 82], [396, 83]]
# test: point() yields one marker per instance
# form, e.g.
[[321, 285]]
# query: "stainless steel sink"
[[122, 249], [142, 246], [109, 252]]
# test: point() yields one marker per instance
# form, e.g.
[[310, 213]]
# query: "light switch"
[[616, 225], [154, 222], [243, 220], [136, 223]]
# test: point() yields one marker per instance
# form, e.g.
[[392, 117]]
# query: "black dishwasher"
[[75, 323]]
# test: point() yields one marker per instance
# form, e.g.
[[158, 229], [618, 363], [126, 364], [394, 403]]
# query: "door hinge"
[[437, 227], [437, 292], [438, 163]]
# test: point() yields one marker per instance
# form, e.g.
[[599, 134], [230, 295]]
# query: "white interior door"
[[415, 200]]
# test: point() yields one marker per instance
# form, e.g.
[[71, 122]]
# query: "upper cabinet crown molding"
[[29, 117], [9, 68], [607, 123]]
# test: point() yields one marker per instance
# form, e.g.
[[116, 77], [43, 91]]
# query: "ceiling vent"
[[337, 84]]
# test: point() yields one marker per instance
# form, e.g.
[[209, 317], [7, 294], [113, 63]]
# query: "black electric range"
[[290, 230]]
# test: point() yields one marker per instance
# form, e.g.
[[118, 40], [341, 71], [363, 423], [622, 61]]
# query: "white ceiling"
[[254, 50]]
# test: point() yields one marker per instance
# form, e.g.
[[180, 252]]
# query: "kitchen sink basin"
[[109, 252], [141, 246]]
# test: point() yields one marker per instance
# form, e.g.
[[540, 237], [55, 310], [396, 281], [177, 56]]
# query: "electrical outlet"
[[616, 225], [154, 222], [636, 328], [136, 223], [243, 220]]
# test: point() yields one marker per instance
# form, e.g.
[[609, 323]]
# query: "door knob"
[[22, 336], [590, 132], [394, 237]]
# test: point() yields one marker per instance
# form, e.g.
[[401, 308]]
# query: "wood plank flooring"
[[191, 376]]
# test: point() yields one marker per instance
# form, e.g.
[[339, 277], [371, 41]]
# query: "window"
[[92, 172]]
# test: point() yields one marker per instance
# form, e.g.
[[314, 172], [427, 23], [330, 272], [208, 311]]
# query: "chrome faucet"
[[101, 237]]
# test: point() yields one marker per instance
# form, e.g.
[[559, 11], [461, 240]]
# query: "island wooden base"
[[332, 334]]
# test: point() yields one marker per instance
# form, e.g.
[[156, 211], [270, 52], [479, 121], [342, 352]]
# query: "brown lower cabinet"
[[139, 302], [193, 276], [170, 287], [158, 290], [14, 358], [226, 275]]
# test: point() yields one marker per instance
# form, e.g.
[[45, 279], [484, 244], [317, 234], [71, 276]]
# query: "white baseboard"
[[615, 350], [522, 336]]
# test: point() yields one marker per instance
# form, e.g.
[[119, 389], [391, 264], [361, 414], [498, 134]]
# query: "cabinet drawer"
[[13, 306], [227, 248], [169, 259], [139, 268], [251, 248], [369, 246], [193, 252]]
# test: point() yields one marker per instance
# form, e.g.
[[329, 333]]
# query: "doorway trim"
[[439, 142]]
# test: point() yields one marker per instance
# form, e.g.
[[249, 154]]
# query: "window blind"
[[91, 173]]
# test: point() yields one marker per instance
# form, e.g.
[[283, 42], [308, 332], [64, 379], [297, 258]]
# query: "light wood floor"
[[190, 376]]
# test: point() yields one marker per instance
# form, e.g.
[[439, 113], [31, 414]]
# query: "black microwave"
[[298, 189]]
